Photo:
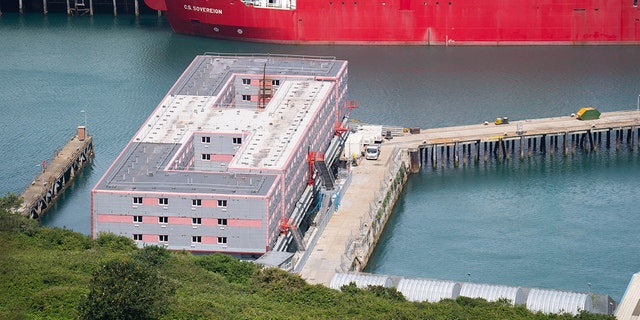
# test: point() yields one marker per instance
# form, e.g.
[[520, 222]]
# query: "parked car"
[[372, 152]]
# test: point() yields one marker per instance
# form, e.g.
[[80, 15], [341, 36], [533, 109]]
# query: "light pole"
[[85, 117], [638, 108]]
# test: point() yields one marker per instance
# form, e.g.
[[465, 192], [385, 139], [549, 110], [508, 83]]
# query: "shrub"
[[126, 289], [232, 269], [114, 242], [62, 239], [387, 293], [152, 255]]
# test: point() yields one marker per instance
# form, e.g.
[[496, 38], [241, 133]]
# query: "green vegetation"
[[53, 273]]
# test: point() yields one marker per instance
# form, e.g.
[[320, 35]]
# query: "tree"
[[11, 221], [126, 289], [10, 202]]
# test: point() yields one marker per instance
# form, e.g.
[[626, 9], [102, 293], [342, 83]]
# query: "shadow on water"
[[68, 212]]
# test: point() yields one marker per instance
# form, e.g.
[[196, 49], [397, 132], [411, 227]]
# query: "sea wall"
[[359, 247]]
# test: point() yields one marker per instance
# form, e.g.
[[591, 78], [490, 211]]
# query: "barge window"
[[137, 200], [246, 81], [196, 202], [237, 140], [222, 239], [163, 219], [206, 156], [163, 237], [196, 220], [163, 201], [246, 97], [206, 139], [137, 237], [196, 239], [137, 219], [222, 203], [635, 3], [275, 82], [222, 222]]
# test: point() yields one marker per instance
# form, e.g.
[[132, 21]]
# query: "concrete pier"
[[352, 232], [517, 139], [56, 175]]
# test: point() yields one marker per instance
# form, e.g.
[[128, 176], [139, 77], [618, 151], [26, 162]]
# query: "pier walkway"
[[334, 252], [56, 175], [529, 128]]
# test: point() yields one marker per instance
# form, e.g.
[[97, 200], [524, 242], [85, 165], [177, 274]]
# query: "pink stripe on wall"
[[209, 222], [115, 218], [176, 220], [150, 201], [150, 238], [210, 240], [244, 223], [209, 203], [222, 157]]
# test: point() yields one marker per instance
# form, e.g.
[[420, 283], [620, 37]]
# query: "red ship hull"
[[409, 22]]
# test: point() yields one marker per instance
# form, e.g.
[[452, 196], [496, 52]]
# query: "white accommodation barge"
[[228, 160]]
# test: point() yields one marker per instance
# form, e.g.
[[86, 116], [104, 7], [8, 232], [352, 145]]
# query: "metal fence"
[[331, 202]]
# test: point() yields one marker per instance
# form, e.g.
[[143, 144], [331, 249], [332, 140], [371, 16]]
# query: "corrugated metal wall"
[[556, 301], [428, 290], [361, 280], [492, 292]]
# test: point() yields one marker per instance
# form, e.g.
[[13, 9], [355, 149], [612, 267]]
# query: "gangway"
[[297, 236]]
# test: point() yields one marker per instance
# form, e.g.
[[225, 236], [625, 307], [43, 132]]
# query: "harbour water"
[[558, 222]]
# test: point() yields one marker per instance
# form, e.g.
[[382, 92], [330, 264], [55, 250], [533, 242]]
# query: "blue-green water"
[[556, 223]]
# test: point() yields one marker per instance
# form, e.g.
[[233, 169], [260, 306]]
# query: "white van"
[[372, 152]]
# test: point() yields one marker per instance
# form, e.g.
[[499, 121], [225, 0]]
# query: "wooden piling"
[[414, 167], [455, 155], [434, 157]]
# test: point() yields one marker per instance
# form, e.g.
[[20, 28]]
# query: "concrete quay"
[[350, 235], [352, 232]]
